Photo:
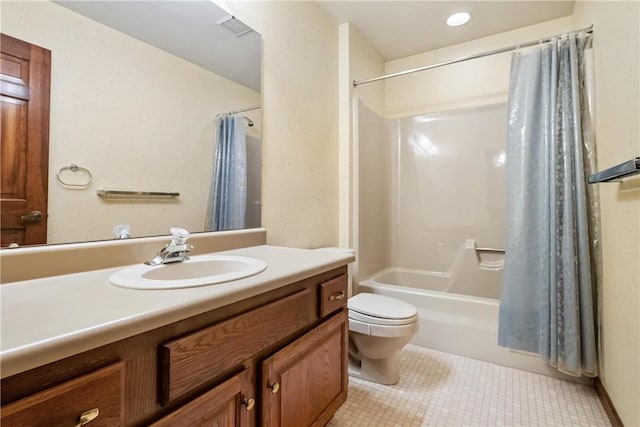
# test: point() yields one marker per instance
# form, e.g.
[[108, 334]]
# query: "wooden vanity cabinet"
[[276, 359]]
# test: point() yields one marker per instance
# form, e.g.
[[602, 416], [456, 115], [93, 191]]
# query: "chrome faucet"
[[175, 251]]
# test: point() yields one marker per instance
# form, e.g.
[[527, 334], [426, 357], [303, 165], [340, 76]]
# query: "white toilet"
[[379, 327]]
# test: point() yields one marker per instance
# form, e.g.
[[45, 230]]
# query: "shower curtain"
[[547, 303], [228, 196]]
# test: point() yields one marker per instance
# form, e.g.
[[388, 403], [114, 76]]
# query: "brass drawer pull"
[[248, 403], [87, 417], [337, 295], [275, 387]]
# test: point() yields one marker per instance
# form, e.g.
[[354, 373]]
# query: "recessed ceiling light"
[[457, 19]]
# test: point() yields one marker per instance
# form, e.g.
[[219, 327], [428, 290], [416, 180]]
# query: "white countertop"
[[45, 320]]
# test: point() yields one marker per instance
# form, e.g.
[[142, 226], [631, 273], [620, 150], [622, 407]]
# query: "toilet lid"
[[381, 307]]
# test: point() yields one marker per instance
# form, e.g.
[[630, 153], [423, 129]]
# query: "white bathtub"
[[451, 322]]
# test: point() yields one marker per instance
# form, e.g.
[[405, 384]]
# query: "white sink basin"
[[201, 270]]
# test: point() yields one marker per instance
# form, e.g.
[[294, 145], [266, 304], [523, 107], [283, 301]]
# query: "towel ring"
[[74, 168]]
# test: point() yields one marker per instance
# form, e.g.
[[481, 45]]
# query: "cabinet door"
[[306, 382], [227, 405]]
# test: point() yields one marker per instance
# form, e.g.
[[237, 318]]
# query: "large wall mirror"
[[136, 89]]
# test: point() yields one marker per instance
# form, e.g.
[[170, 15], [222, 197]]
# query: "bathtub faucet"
[[175, 251]]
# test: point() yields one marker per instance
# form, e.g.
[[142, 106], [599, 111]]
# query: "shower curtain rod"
[[242, 110], [588, 29]]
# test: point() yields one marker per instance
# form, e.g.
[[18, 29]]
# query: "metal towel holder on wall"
[[75, 168], [613, 174], [126, 194]]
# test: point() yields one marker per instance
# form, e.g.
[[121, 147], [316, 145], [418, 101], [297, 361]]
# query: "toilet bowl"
[[379, 327]]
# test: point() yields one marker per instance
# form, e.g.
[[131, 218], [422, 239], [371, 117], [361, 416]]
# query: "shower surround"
[[428, 183], [430, 222]]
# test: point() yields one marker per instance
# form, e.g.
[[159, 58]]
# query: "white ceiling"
[[183, 28], [402, 28]]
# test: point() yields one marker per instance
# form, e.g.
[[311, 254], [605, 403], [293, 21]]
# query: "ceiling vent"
[[234, 25]]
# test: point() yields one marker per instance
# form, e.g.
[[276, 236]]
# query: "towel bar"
[[628, 168], [492, 250], [136, 194]]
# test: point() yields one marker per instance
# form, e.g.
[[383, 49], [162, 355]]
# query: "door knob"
[[34, 216]]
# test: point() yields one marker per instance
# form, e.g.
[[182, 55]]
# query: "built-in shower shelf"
[[628, 168]]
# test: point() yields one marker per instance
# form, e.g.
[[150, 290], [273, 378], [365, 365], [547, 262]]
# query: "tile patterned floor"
[[441, 389]]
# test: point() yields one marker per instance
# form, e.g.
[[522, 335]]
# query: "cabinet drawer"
[[63, 405], [191, 361], [333, 295]]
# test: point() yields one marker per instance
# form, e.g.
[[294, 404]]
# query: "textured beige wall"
[[476, 82], [345, 163], [365, 62], [300, 127], [616, 50], [136, 117]]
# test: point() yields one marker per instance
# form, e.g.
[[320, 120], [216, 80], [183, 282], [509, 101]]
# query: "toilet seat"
[[354, 315], [381, 310]]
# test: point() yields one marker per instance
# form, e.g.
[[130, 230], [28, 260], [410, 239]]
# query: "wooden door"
[[227, 405], [306, 382], [25, 74]]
